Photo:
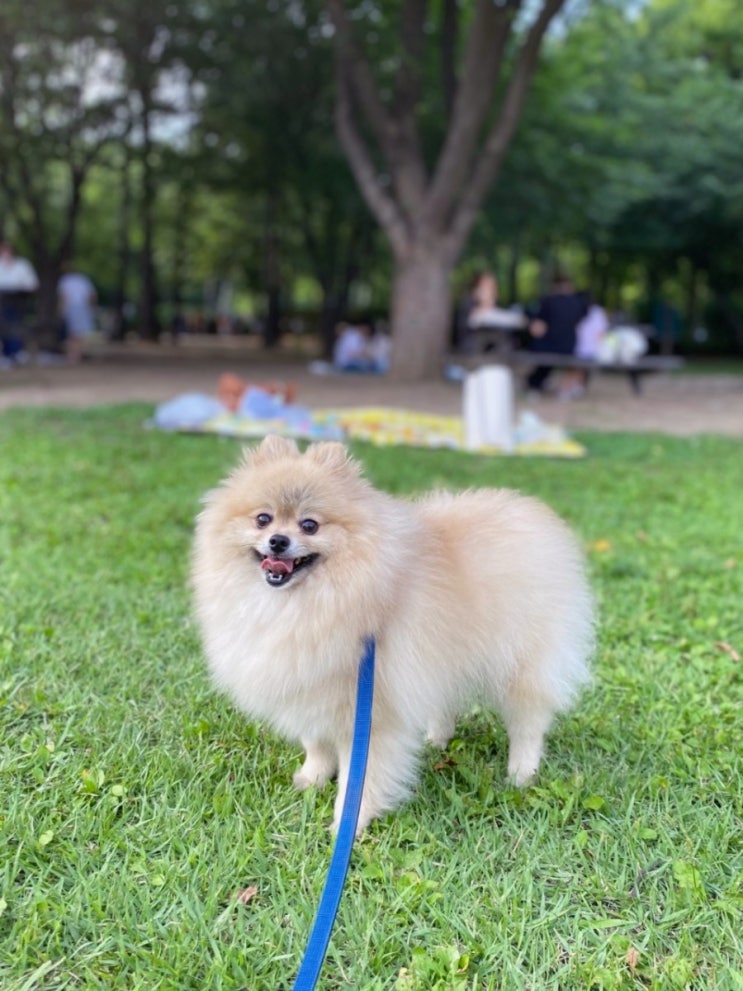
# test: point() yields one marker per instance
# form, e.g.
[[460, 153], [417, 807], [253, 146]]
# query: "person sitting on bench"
[[553, 330]]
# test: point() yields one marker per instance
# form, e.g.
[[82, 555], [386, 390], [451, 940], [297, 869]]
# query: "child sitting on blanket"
[[231, 389]]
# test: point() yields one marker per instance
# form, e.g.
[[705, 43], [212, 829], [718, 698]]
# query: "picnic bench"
[[635, 371], [494, 345]]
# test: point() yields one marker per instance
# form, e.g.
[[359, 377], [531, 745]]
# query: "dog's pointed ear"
[[334, 456], [271, 448]]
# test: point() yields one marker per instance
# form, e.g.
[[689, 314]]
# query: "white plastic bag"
[[622, 346]]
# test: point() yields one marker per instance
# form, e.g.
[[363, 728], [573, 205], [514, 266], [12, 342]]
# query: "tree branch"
[[496, 144], [413, 39], [482, 63], [379, 201], [394, 132], [360, 74], [449, 41], [409, 173], [23, 169]]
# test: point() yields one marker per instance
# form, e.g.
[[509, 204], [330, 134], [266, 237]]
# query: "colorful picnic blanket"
[[384, 426], [376, 425]]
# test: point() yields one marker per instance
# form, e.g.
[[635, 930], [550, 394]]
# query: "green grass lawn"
[[135, 804]]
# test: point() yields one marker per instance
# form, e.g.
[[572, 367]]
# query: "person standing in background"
[[18, 281], [77, 297]]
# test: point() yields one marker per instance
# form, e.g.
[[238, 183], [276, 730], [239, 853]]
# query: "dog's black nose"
[[278, 543]]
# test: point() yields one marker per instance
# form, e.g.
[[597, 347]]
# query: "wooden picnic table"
[[513, 358]]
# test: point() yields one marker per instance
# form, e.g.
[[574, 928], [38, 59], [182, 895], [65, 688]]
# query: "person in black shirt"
[[553, 327]]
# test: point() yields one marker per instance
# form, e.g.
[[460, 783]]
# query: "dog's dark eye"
[[309, 526], [263, 519]]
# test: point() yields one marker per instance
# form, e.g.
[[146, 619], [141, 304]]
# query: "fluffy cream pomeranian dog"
[[476, 597]]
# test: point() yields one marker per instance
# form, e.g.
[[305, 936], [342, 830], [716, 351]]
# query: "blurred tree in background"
[[288, 160], [59, 108]]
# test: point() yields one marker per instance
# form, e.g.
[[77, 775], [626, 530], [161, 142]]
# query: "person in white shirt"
[[77, 298], [17, 281], [590, 332], [484, 309], [480, 312]]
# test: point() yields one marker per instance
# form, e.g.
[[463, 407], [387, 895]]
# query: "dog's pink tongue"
[[278, 565]]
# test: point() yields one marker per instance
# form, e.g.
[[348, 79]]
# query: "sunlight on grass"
[[137, 806]]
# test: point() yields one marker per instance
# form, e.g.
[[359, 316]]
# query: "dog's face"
[[285, 548], [287, 516]]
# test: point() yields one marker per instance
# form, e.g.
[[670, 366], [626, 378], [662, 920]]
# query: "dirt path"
[[675, 404]]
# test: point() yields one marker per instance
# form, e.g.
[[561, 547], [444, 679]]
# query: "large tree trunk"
[[428, 204], [421, 313]]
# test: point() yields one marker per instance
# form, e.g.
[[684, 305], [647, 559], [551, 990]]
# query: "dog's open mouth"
[[281, 570]]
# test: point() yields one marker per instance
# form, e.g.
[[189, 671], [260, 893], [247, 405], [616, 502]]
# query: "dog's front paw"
[[440, 733], [302, 781], [363, 821], [520, 776], [524, 758], [319, 767]]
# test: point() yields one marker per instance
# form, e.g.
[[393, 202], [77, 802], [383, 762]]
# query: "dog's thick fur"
[[480, 596]]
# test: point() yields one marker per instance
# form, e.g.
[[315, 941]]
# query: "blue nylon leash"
[[322, 927]]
